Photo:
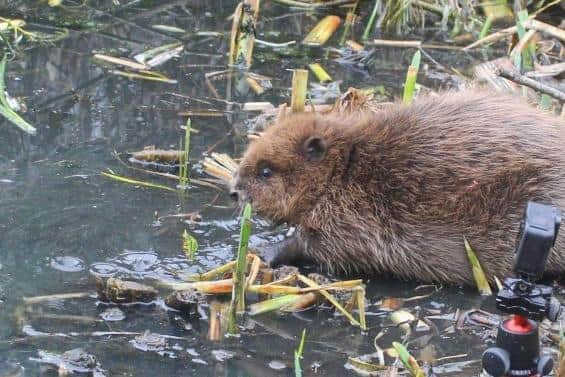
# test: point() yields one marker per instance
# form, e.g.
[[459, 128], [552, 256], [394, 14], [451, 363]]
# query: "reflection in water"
[[61, 222]]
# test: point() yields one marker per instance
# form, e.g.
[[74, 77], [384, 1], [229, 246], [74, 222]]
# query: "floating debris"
[[113, 315], [71, 362], [150, 342], [185, 301], [123, 291]]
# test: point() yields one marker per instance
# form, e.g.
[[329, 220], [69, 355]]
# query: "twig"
[[523, 80], [545, 28], [494, 37], [523, 42]]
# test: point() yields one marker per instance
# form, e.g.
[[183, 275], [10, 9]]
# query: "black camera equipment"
[[517, 350]]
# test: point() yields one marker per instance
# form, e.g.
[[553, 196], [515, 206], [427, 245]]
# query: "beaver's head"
[[286, 171]]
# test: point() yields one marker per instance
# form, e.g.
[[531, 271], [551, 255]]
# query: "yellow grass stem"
[[212, 287], [135, 182], [209, 275], [144, 76], [330, 298]]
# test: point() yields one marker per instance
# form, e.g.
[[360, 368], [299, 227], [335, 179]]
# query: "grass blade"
[[120, 61], [478, 273], [371, 22], [5, 109], [298, 355]]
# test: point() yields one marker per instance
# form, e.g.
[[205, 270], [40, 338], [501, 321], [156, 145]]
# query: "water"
[[60, 220]]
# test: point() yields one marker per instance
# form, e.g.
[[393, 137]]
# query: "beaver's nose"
[[234, 195]]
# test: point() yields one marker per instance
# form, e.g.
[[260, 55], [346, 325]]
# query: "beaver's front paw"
[[287, 252]]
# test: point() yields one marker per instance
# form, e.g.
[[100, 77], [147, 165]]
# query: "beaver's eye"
[[265, 172]]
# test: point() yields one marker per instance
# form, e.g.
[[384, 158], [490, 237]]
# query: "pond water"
[[60, 220]]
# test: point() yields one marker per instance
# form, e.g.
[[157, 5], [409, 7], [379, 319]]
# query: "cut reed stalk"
[[243, 33], [323, 31], [411, 75], [238, 291], [273, 304], [299, 90], [320, 72]]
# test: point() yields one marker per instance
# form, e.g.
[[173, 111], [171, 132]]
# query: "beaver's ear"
[[314, 148]]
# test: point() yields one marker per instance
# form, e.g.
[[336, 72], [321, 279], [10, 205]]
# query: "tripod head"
[[517, 343], [537, 235]]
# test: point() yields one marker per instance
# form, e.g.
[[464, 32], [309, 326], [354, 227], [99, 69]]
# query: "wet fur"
[[395, 191]]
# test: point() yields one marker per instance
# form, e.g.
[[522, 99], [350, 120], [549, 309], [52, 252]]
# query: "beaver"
[[395, 191]]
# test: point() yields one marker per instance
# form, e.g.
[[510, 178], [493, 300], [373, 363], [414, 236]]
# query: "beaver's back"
[[462, 164]]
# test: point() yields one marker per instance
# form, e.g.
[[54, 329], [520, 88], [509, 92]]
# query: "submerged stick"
[[59, 296]]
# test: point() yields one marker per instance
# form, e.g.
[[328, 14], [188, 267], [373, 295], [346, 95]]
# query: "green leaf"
[[189, 245], [545, 102], [408, 360]]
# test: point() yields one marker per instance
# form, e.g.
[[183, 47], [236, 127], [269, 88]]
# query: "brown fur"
[[395, 191]]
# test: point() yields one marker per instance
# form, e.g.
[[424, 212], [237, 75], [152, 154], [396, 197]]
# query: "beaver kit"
[[395, 191]]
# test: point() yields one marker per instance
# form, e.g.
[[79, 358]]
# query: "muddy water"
[[61, 221]]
